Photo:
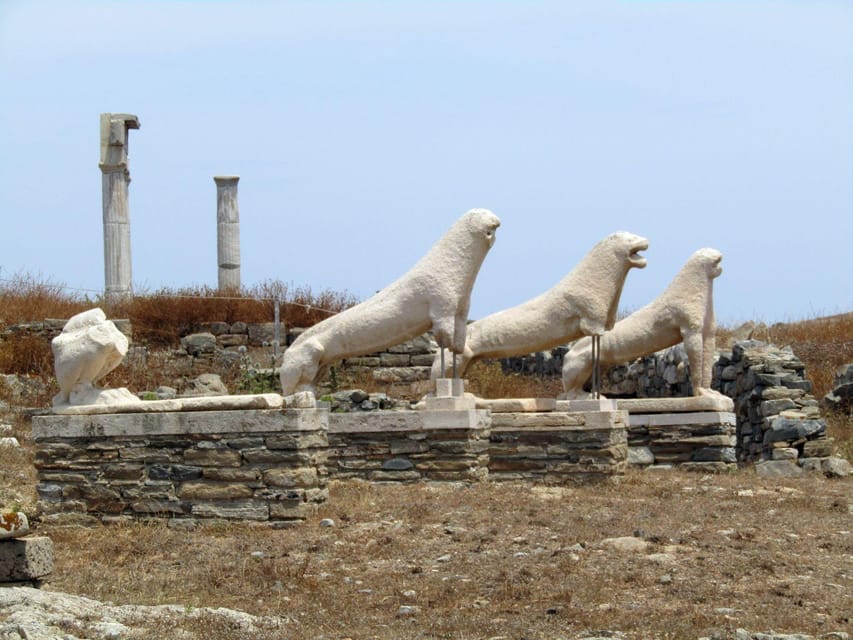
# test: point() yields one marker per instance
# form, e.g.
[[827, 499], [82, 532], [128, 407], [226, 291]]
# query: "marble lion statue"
[[683, 312], [584, 302], [435, 293]]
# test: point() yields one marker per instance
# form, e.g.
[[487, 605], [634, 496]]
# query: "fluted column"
[[114, 182], [227, 232]]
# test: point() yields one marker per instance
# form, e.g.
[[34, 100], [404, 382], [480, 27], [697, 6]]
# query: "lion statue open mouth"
[[583, 303], [683, 312]]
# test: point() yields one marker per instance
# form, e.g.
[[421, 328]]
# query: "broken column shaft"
[[115, 181], [228, 232]]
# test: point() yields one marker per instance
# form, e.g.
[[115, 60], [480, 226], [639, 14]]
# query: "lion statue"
[[583, 303], [683, 312], [435, 293]]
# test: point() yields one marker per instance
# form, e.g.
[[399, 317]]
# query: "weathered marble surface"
[[583, 303], [435, 294], [115, 128], [683, 312], [227, 232], [201, 403], [88, 348]]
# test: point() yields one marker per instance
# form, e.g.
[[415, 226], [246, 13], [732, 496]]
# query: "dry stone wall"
[[778, 420], [404, 446], [261, 465], [558, 447]]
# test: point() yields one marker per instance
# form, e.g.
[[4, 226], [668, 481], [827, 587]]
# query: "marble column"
[[114, 181], [227, 232]]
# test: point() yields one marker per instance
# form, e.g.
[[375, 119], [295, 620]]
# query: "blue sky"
[[362, 130]]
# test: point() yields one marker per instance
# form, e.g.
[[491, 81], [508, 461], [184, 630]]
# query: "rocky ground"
[[661, 554]]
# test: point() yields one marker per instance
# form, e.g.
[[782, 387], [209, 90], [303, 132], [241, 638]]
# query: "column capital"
[[225, 181], [114, 139]]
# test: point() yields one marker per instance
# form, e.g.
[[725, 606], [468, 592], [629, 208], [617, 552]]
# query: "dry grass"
[[486, 379], [502, 560], [161, 317], [823, 344]]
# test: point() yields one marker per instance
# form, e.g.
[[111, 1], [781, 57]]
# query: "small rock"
[[409, 594], [407, 610], [444, 558], [665, 579], [327, 522], [834, 467], [358, 396], [627, 544], [12, 443], [13, 524], [258, 555]]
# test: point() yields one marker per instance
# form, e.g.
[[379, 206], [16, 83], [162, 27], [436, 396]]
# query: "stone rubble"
[[841, 396]]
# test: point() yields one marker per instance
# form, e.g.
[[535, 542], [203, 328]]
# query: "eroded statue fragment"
[[683, 312], [583, 303], [88, 348], [435, 293]]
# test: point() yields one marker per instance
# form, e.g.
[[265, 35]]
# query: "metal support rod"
[[454, 364], [277, 330], [443, 373], [596, 366]]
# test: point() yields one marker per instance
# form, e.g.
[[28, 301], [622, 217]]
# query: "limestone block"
[[778, 469], [261, 333], [713, 402], [394, 360], [640, 456], [199, 344], [214, 491], [26, 559], [836, 467], [88, 348], [513, 405]]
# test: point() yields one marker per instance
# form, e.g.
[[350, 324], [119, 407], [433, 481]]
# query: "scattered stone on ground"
[[34, 614]]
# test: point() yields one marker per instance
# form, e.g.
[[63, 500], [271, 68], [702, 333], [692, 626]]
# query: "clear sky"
[[362, 130]]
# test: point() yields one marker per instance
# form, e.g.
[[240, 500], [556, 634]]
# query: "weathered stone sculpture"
[[435, 293], [683, 312], [88, 348], [583, 303]]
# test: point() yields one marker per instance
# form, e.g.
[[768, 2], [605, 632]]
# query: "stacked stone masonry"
[[701, 441], [268, 465], [558, 447], [778, 420], [405, 446], [262, 465]]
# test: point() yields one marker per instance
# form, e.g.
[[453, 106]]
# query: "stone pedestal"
[[228, 232], [25, 559], [558, 447], [405, 446], [116, 213], [450, 396], [700, 440], [263, 465]]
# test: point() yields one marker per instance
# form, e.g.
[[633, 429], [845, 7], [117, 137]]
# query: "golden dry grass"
[[502, 561]]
